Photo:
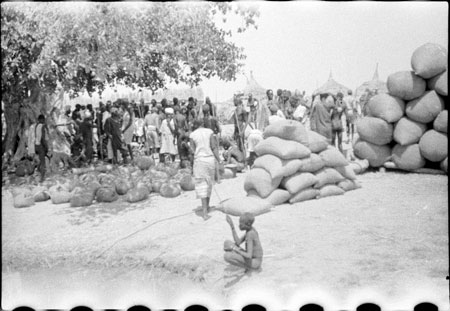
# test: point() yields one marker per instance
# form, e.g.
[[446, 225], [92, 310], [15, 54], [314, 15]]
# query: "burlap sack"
[[278, 197], [346, 171], [425, 108], [187, 183], [288, 130], [386, 107], [59, 194], [271, 163], [40, 194], [145, 162], [406, 85], [434, 146], [327, 176], [441, 122], [407, 131], [21, 201], [80, 199], [332, 157], [123, 186], [237, 206], [281, 148], [375, 130], [429, 60], [298, 182], [312, 164], [376, 155], [261, 181], [407, 157], [317, 142], [137, 194], [439, 83], [292, 166], [348, 185], [169, 190], [106, 194], [330, 190], [304, 195]]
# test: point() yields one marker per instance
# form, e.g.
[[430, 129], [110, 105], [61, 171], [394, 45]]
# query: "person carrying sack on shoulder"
[[38, 142]]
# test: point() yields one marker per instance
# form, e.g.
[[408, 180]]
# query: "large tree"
[[78, 46]]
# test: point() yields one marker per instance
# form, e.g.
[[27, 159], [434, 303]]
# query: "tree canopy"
[[84, 46]]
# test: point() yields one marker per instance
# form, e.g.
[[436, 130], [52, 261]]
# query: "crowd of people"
[[114, 131]]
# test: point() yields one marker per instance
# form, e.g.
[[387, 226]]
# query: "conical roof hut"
[[254, 88], [372, 85], [331, 87], [226, 109]]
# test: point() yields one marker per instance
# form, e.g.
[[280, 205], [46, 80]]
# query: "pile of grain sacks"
[[295, 165], [408, 126]]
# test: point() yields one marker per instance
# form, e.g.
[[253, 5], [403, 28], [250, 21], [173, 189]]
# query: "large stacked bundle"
[[295, 165], [409, 125]]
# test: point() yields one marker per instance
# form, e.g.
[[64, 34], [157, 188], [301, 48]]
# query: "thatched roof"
[[226, 109], [373, 84], [331, 87], [254, 88]]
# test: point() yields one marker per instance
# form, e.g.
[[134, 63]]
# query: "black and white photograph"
[[225, 154]]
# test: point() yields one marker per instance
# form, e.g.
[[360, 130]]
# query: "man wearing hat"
[[168, 136]]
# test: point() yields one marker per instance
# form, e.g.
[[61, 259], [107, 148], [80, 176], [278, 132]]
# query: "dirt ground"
[[385, 243]]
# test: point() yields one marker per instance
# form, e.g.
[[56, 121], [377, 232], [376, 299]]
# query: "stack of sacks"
[[295, 165], [409, 125]]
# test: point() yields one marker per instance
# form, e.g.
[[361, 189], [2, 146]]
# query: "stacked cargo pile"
[[407, 128], [293, 165]]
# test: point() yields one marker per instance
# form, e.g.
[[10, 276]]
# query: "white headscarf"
[[168, 110]]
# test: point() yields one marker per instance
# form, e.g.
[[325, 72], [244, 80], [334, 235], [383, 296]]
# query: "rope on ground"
[[142, 229]]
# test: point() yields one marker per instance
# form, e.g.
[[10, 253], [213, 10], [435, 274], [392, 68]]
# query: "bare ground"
[[386, 242]]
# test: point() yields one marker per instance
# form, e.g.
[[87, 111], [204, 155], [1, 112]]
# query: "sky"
[[298, 43]]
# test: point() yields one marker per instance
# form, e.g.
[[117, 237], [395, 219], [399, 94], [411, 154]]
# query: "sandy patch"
[[389, 237]]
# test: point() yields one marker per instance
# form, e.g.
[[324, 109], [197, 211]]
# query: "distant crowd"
[[114, 132]]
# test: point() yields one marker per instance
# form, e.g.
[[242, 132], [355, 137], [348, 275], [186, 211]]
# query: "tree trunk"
[[12, 117], [19, 116]]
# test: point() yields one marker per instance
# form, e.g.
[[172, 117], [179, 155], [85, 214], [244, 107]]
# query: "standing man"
[[212, 107], [152, 125], [321, 118], [181, 127], [350, 114], [168, 136], [128, 126], [114, 134], [86, 128], [240, 121], [191, 113], [205, 157], [336, 121], [38, 142]]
